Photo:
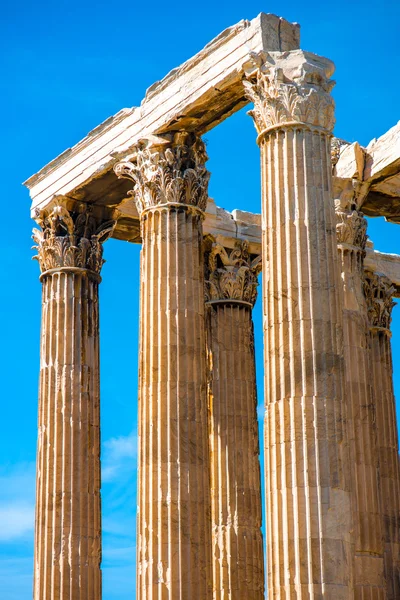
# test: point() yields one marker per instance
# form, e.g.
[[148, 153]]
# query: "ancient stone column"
[[68, 513], [359, 393], [174, 527], [379, 294], [306, 452], [236, 512]]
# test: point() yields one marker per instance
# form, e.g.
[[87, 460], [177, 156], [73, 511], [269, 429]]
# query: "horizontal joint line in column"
[[375, 329], [230, 301], [78, 270], [171, 205], [291, 125], [350, 247]]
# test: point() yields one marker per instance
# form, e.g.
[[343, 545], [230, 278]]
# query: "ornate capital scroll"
[[379, 292], [231, 275], [296, 92], [351, 229], [169, 171], [351, 226], [70, 239]]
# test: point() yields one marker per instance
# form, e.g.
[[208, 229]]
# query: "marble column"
[[236, 512], [306, 451], [174, 526], [359, 392], [68, 512], [379, 294]]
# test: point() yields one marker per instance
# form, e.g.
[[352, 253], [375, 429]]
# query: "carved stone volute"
[[351, 229], [231, 275], [379, 292], [71, 240], [298, 92], [168, 171]]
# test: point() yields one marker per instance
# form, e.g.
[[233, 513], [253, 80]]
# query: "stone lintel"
[[377, 165], [227, 227], [386, 264], [196, 96]]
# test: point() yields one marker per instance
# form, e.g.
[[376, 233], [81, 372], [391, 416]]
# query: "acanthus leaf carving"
[[278, 100], [231, 275], [68, 239], [172, 173], [351, 225], [379, 291], [351, 229]]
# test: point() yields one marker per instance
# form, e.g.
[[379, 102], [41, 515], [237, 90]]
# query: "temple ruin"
[[332, 479]]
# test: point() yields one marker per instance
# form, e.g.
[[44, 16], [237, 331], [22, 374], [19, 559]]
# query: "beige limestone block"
[[68, 512], [379, 293], [174, 524], [238, 562], [378, 167], [348, 160], [387, 264], [196, 96], [308, 502]]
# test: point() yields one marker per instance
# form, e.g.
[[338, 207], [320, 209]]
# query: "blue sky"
[[66, 67]]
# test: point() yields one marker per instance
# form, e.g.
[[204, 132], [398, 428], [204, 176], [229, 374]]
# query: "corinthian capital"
[[290, 87], [71, 239], [351, 226], [231, 275], [351, 229], [379, 292], [168, 171]]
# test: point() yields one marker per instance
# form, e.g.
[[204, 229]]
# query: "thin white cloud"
[[16, 520], [119, 454], [17, 501]]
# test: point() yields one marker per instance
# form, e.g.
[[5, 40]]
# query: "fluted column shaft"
[[174, 527], [361, 415], [379, 293], [68, 511], [307, 488], [236, 512]]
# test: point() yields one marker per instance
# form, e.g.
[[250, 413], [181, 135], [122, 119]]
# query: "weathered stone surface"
[[350, 162], [174, 520], [196, 96], [379, 294], [332, 465], [378, 167], [351, 228], [238, 562], [387, 264], [307, 483], [68, 511]]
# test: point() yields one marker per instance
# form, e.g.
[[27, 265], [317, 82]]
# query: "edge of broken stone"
[[153, 90]]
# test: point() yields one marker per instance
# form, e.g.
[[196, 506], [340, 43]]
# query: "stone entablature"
[[326, 323], [197, 97]]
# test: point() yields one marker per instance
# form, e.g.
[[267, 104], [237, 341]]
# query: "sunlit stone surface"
[[330, 436]]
